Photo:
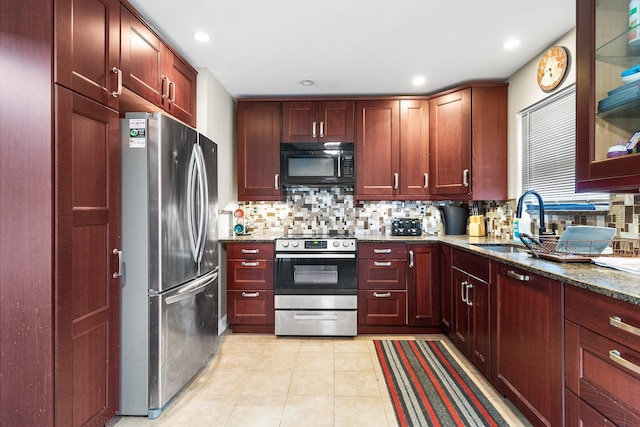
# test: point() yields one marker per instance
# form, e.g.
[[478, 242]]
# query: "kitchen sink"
[[513, 249]]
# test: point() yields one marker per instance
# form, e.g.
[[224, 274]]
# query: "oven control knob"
[[336, 243], [285, 244], [345, 243], [295, 244]]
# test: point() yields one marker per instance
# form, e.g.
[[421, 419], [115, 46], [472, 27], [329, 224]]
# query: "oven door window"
[[308, 276], [315, 275]]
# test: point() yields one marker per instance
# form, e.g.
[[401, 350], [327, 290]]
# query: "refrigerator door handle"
[[190, 183], [204, 202], [195, 288], [194, 180]]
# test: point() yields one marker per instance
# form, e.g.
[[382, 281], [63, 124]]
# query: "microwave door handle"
[[339, 166]]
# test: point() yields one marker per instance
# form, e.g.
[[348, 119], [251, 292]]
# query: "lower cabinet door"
[[382, 307], [250, 307]]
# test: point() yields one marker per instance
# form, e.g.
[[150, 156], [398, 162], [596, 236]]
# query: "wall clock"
[[552, 68]]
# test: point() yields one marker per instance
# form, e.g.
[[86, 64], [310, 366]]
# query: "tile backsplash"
[[333, 210]]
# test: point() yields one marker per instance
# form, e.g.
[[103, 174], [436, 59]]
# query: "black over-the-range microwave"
[[318, 164]]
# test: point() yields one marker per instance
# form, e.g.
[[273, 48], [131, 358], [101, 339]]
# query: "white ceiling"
[[357, 47]]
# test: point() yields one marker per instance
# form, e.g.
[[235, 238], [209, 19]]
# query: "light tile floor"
[[264, 380]]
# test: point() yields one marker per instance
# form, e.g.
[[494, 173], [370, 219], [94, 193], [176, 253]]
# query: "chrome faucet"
[[542, 231]]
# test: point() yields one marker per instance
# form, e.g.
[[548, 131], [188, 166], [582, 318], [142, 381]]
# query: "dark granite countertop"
[[602, 280]]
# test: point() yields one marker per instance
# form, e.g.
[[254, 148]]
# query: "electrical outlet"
[[422, 210]]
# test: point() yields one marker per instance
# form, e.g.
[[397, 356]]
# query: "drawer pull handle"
[[618, 323], [382, 251], [382, 264], [615, 356], [250, 294], [250, 264], [386, 295], [520, 277], [250, 251]]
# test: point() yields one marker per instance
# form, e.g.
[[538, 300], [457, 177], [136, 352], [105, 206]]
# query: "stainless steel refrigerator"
[[169, 259]]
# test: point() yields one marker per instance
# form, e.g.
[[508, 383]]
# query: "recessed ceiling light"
[[307, 82], [419, 80], [511, 44], [201, 36]]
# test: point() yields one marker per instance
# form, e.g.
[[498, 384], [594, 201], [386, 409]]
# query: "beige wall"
[[524, 92], [216, 120]]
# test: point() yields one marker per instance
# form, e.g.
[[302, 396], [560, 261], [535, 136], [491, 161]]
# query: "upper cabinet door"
[[181, 101], [336, 121], [377, 148], [259, 151], [87, 38], [605, 48], [313, 121], [414, 149], [142, 55], [300, 121], [450, 139]]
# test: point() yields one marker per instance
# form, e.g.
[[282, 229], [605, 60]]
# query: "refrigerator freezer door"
[[183, 326]]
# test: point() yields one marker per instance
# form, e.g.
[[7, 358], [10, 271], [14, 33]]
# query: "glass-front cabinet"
[[608, 95]]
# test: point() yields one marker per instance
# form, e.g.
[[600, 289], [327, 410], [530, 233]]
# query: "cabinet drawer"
[[603, 373], [250, 251], [580, 414], [372, 250], [382, 274], [612, 318], [251, 307], [249, 274], [382, 307], [472, 264]]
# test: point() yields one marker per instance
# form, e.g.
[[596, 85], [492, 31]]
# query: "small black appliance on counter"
[[406, 227]]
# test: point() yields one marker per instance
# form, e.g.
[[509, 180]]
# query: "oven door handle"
[[315, 317], [304, 255]]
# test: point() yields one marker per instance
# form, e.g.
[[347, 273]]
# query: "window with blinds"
[[548, 150]]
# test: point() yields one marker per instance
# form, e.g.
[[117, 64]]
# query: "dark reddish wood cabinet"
[[27, 204], [87, 41], [318, 121], [423, 290], [152, 70], [602, 52], [382, 283], [602, 359], [392, 141], [87, 283], [468, 142], [377, 149], [259, 150], [87, 211], [470, 327], [446, 290], [527, 316], [250, 287]]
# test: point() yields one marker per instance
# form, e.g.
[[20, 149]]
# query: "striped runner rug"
[[428, 387]]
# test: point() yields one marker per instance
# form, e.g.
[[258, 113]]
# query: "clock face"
[[552, 68]]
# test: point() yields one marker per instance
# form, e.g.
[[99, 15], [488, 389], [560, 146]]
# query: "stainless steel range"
[[316, 286]]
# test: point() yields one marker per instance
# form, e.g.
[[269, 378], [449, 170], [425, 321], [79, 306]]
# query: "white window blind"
[[548, 150]]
